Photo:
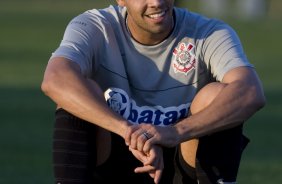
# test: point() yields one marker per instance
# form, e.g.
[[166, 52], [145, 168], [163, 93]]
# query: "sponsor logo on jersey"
[[184, 59], [119, 101]]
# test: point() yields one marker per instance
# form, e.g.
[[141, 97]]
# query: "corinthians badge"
[[184, 59]]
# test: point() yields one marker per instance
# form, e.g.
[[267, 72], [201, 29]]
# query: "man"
[[143, 62]]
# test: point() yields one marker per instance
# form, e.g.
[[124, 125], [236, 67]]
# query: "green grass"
[[32, 29], [26, 123]]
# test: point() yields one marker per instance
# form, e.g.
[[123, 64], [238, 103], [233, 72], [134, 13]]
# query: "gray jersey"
[[151, 84]]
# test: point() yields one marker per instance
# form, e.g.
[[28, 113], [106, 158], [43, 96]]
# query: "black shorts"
[[74, 157], [218, 159]]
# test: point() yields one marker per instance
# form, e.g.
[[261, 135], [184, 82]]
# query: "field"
[[32, 29]]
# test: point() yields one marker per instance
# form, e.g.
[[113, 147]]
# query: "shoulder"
[[99, 18], [198, 25]]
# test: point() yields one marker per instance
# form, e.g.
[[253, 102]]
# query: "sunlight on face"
[[149, 19]]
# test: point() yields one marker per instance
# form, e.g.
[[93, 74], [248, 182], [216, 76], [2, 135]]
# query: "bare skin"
[[70, 90], [150, 22], [241, 97], [200, 102], [65, 85], [189, 148]]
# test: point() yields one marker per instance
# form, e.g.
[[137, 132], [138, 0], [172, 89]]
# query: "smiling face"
[[149, 21]]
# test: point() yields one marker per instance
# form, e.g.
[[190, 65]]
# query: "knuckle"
[[134, 135]]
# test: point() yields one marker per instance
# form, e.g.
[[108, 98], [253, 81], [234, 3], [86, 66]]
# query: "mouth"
[[157, 15]]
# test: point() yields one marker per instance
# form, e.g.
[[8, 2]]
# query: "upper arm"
[[248, 81], [61, 65], [243, 74], [60, 71]]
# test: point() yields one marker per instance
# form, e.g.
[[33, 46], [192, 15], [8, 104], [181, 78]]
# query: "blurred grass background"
[[32, 29]]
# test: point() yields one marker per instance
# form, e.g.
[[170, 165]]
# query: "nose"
[[156, 3]]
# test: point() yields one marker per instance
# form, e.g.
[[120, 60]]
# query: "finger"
[[158, 175], [128, 133], [146, 136], [134, 138], [144, 169], [152, 174], [141, 141], [151, 159], [148, 144]]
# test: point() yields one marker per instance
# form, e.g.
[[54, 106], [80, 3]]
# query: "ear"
[[120, 2]]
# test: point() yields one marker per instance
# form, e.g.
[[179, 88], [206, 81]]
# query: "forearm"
[[235, 103], [81, 97]]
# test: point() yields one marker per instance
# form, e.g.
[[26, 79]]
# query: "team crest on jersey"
[[184, 59]]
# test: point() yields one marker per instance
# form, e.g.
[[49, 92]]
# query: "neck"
[[146, 37]]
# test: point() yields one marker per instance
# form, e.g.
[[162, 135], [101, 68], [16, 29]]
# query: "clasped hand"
[[145, 141]]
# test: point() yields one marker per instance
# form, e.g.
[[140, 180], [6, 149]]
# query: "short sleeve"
[[80, 43], [223, 51]]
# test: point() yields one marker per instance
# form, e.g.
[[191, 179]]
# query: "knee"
[[103, 145], [205, 96]]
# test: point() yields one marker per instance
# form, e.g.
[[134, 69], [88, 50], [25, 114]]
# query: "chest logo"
[[184, 59]]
